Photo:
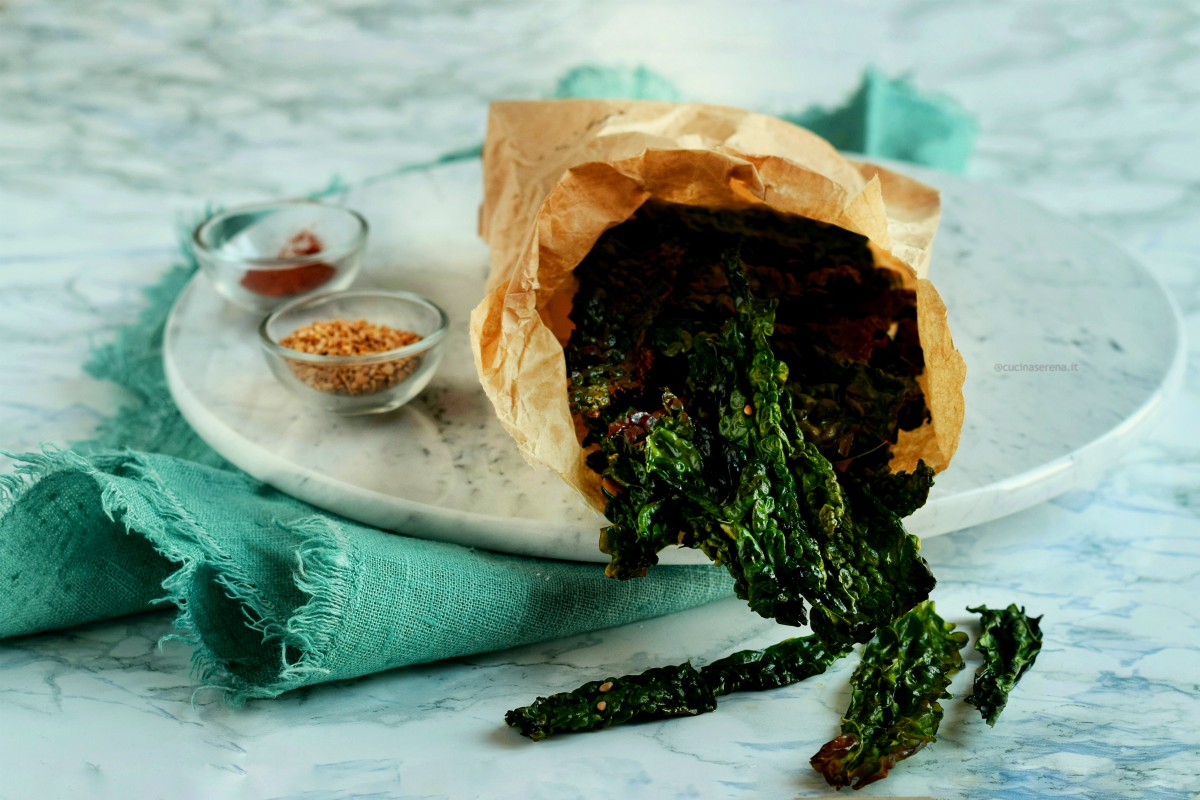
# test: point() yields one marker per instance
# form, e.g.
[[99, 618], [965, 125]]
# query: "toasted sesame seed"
[[339, 337], [604, 687], [601, 705], [748, 410]]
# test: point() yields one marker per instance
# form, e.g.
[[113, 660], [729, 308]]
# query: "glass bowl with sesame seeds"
[[359, 352]]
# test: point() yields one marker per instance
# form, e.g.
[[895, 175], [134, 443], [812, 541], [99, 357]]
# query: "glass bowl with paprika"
[[359, 352], [261, 255]]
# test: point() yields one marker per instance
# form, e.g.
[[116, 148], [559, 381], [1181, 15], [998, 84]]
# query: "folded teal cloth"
[[889, 118], [272, 593], [883, 118], [275, 595]]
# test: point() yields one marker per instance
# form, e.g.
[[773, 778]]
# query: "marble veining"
[[118, 118]]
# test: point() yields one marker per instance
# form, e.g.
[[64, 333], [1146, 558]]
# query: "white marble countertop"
[[115, 118]]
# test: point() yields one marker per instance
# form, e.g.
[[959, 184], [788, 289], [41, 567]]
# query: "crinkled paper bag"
[[559, 173]]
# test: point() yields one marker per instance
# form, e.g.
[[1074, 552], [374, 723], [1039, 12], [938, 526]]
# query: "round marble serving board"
[[1023, 287]]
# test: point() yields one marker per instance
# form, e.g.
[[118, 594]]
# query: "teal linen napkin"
[[274, 594], [889, 118]]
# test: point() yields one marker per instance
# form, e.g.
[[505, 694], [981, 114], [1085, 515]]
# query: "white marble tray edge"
[[1080, 469]]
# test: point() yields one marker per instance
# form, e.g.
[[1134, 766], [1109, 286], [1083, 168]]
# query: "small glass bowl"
[[360, 384], [259, 256]]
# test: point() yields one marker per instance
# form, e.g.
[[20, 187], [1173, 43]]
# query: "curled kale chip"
[[894, 709], [704, 439], [674, 691], [1010, 643]]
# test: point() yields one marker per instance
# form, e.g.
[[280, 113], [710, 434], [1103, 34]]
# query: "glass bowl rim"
[[418, 347], [269, 263]]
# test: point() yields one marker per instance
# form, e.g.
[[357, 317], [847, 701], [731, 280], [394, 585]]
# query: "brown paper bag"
[[559, 173]]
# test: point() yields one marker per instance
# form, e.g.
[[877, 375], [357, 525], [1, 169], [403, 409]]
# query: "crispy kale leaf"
[[1010, 643], [894, 710], [674, 691], [783, 664], [902, 493], [846, 327], [729, 471]]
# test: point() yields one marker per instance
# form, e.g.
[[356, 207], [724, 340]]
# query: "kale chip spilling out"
[[894, 709], [680, 690], [742, 378], [1009, 642]]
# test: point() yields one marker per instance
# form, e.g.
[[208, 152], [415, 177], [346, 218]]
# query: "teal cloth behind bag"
[[274, 594]]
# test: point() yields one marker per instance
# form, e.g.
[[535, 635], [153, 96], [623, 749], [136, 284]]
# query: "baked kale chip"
[[894, 709], [1010, 642], [659, 693], [783, 664], [705, 438], [675, 691]]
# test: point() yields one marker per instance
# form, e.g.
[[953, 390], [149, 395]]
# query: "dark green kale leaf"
[[846, 327], [730, 472], [674, 691], [850, 409], [1010, 643], [608, 358], [783, 664], [902, 492], [894, 710]]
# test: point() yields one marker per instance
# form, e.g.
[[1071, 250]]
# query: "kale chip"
[[1010, 643], [704, 438], [674, 691], [894, 709]]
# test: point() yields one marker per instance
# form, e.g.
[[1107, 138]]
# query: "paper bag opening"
[[559, 174]]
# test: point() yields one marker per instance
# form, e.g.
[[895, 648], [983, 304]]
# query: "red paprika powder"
[[291, 280]]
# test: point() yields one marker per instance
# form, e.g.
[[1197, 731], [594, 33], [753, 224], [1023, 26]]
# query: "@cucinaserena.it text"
[[1040, 367]]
